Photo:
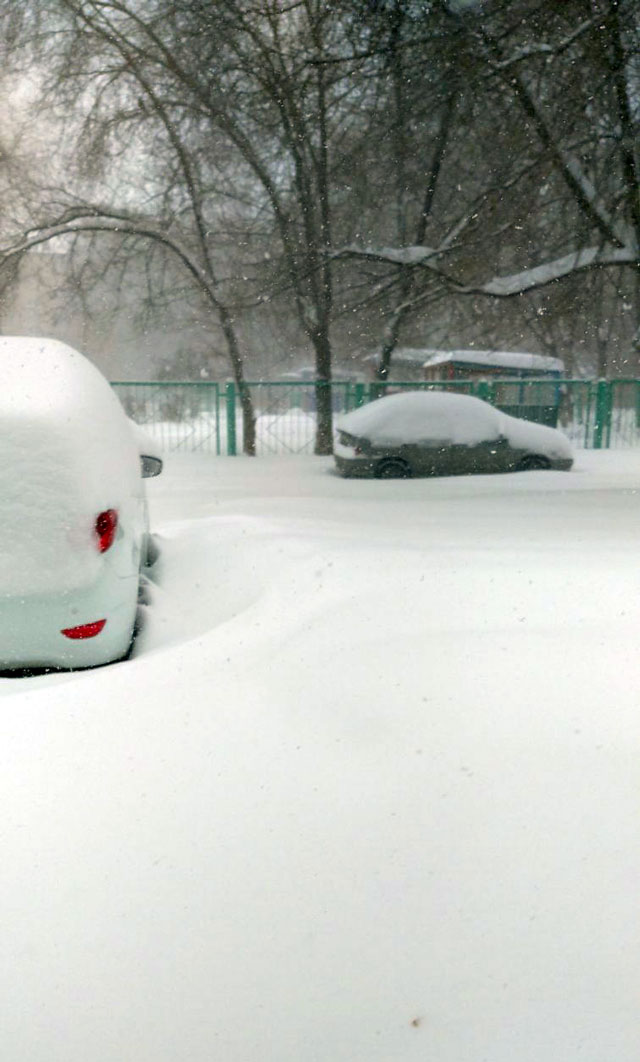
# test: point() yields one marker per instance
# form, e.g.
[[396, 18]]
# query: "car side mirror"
[[150, 466]]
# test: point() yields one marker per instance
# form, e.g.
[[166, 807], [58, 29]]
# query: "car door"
[[445, 452], [435, 452], [487, 456]]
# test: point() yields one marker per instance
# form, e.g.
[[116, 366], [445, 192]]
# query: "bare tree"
[[555, 195], [81, 47], [342, 158], [239, 80]]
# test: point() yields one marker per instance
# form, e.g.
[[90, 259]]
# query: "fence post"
[[230, 395], [482, 390], [602, 422], [359, 395], [216, 393]]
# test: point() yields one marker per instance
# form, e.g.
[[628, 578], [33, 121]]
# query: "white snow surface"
[[416, 416], [67, 452], [367, 792]]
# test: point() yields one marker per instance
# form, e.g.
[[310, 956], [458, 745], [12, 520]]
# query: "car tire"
[[392, 468], [531, 463]]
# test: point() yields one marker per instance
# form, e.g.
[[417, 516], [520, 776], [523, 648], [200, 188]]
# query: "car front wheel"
[[532, 462], [392, 468]]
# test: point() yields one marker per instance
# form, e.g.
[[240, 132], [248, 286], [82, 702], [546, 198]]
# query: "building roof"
[[500, 359]]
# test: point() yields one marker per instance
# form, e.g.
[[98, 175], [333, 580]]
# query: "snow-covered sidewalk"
[[367, 792]]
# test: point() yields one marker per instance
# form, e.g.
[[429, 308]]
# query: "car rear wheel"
[[392, 468], [532, 462]]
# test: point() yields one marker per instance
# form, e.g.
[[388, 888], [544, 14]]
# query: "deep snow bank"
[[368, 793]]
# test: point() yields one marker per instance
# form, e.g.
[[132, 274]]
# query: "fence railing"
[[206, 416]]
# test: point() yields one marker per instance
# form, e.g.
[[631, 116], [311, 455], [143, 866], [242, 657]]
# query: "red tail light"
[[105, 527], [86, 630]]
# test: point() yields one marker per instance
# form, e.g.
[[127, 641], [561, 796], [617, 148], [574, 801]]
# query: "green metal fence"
[[179, 416], [207, 417]]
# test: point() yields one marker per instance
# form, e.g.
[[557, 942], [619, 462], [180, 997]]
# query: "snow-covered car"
[[75, 533], [420, 433]]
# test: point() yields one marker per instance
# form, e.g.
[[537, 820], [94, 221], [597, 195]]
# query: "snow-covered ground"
[[367, 792]]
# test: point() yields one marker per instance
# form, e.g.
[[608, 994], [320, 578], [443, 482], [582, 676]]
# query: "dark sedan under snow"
[[423, 433]]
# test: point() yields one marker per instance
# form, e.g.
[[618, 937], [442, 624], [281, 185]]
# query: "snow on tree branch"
[[500, 286], [402, 256], [558, 268]]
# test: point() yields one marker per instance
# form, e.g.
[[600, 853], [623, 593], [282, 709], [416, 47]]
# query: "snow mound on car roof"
[[415, 416], [66, 454]]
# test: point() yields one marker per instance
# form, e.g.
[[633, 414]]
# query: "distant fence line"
[[206, 416]]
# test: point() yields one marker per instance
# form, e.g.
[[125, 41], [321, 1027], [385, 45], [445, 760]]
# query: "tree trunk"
[[392, 332], [407, 280], [324, 405], [246, 401], [248, 419]]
